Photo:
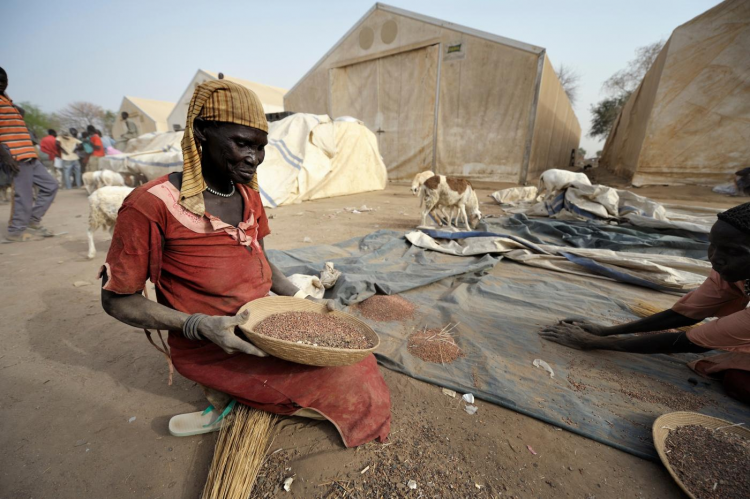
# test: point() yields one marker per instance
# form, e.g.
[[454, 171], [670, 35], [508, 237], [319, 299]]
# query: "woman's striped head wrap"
[[215, 100]]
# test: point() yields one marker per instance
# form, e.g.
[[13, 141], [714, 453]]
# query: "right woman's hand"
[[589, 327], [220, 330]]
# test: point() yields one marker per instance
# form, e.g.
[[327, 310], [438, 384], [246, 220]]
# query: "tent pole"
[[437, 108], [524, 174]]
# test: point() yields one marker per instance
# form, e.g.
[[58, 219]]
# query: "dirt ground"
[[85, 402]]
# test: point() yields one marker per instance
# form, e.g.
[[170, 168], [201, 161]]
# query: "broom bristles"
[[240, 450], [643, 309]]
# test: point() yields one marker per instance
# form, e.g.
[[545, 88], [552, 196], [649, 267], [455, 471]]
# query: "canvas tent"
[[689, 120], [307, 157], [444, 97], [149, 115], [272, 98]]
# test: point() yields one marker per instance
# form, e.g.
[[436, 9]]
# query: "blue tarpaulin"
[[499, 307]]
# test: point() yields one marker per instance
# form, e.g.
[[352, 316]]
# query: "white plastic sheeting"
[[312, 157], [599, 202], [670, 274], [152, 154]]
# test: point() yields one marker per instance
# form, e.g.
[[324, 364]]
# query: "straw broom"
[[643, 309], [240, 450]]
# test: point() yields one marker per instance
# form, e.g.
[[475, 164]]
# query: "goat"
[[94, 180], [441, 192], [416, 184], [104, 203], [556, 180], [419, 179]]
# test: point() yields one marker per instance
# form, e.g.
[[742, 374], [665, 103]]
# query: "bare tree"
[[81, 114], [627, 80], [618, 88], [570, 81]]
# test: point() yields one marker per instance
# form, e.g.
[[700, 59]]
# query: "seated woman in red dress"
[[198, 236], [725, 294]]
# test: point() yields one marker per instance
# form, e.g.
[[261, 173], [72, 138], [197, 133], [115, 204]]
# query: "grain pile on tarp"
[[499, 309]]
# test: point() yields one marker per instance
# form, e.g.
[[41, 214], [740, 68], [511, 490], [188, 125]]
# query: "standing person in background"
[[68, 145], [88, 150], [48, 146], [20, 155], [107, 141], [98, 146], [131, 132]]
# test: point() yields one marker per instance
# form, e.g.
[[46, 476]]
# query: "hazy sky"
[[63, 51]]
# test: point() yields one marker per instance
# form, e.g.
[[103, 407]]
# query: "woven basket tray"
[[299, 353], [674, 420]]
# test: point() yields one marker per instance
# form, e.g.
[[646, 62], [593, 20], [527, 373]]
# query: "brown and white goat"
[[419, 179], [452, 194]]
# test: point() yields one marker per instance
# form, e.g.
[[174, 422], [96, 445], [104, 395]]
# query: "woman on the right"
[[725, 294]]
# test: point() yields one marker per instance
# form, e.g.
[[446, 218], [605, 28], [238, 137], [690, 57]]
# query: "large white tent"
[[688, 122], [149, 115], [444, 97]]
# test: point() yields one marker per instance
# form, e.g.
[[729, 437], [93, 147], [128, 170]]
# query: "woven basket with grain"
[[300, 353], [664, 424], [643, 309]]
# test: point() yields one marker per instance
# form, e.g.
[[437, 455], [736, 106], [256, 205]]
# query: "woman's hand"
[[220, 330], [570, 335], [589, 327]]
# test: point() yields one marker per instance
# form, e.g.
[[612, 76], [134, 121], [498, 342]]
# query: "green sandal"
[[198, 423]]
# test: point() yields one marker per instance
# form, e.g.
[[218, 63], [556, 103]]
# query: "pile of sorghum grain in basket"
[[385, 308], [434, 345], [711, 463], [311, 328]]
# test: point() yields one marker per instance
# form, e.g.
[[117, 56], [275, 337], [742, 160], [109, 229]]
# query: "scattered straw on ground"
[[711, 463], [435, 345], [240, 450], [385, 308]]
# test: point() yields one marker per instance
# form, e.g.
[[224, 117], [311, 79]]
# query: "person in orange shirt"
[[725, 294], [96, 142]]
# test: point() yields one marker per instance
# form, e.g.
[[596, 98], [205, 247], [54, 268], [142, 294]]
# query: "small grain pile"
[[604, 376], [710, 463], [310, 328], [434, 345], [386, 308]]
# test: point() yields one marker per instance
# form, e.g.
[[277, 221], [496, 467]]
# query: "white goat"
[[94, 180], [552, 181], [441, 192], [104, 203]]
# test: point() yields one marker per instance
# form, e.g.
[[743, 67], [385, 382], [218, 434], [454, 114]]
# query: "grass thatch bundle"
[[643, 309], [240, 450]]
